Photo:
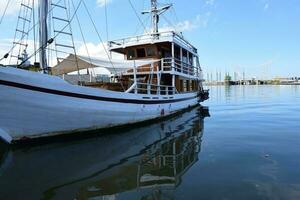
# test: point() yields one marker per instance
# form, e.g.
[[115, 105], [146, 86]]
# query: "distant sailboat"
[[160, 75]]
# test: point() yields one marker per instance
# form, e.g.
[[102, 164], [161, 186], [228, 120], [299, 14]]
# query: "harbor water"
[[246, 147]]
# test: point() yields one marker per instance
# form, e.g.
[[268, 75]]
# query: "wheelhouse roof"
[[120, 45]]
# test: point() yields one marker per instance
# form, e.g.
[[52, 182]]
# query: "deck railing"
[[179, 66], [150, 38], [146, 88], [170, 65]]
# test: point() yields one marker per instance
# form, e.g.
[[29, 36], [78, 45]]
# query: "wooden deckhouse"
[[176, 69]]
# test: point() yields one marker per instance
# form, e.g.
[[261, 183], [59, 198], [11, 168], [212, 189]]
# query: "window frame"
[[134, 54]]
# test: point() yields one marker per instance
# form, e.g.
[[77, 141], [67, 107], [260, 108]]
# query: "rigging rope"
[[169, 22], [137, 15], [5, 10], [137, 29], [100, 38], [50, 41], [73, 44], [83, 38], [106, 20], [34, 33], [32, 28]]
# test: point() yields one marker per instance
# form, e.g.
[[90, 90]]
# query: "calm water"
[[248, 149]]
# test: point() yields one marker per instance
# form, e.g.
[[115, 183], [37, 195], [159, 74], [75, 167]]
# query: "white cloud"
[[13, 6], [200, 21], [97, 50], [102, 3]]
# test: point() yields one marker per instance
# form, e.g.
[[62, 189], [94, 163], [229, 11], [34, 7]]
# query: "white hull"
[[36, 105]]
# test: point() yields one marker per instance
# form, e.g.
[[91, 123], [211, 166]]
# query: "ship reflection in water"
[[144, 163]]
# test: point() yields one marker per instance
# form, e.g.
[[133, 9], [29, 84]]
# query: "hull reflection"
[[144, 163]]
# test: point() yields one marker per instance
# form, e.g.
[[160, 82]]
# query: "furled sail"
[[68, 65]]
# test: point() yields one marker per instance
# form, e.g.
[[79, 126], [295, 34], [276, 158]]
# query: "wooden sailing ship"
[[159, 76]]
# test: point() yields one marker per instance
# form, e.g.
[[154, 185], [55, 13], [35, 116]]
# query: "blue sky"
[[260, 37]]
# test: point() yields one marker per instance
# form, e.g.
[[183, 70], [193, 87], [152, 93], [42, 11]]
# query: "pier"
[[250, 81]]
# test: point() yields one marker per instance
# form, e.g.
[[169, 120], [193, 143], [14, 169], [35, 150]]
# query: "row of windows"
[[141, 53]]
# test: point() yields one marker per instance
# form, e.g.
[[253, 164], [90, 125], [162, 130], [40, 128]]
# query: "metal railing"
[[179, 66], [153, 89], [146, 38], [169, 65]]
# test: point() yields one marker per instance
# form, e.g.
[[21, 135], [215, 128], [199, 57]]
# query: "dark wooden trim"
[[89, 97]]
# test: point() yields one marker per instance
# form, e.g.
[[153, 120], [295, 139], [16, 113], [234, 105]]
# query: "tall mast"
[[43, 33], [155, 16], [155, 12]]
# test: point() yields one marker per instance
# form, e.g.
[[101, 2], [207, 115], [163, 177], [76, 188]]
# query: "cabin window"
[[141, 52], [130, 54], [150, 51]]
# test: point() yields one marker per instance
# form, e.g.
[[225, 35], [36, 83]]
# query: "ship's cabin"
[[175, 67]]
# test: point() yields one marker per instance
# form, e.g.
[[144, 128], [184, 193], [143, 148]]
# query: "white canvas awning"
[[69, 65]]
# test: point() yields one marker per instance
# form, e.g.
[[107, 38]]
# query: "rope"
[[34, 33], [83, 38], [137, 29], [106, 20], [169, 22], [104, 47], [5, 10], [70, 28], [50, 41], [137, 15], [33, 27]]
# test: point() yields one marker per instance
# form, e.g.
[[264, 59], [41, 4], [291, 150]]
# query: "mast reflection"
[[145, 163]]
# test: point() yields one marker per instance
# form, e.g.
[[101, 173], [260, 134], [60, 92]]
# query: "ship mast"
[[155, 16], [155, 12], [43, 34]]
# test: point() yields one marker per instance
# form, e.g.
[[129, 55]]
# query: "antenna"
[[155, 12]]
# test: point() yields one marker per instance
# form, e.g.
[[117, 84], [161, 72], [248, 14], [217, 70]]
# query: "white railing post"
[[149, 89], [181, 59], [135, 78], [158, 82], [173, 57]]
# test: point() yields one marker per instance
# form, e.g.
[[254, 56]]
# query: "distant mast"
[[43, 34]]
